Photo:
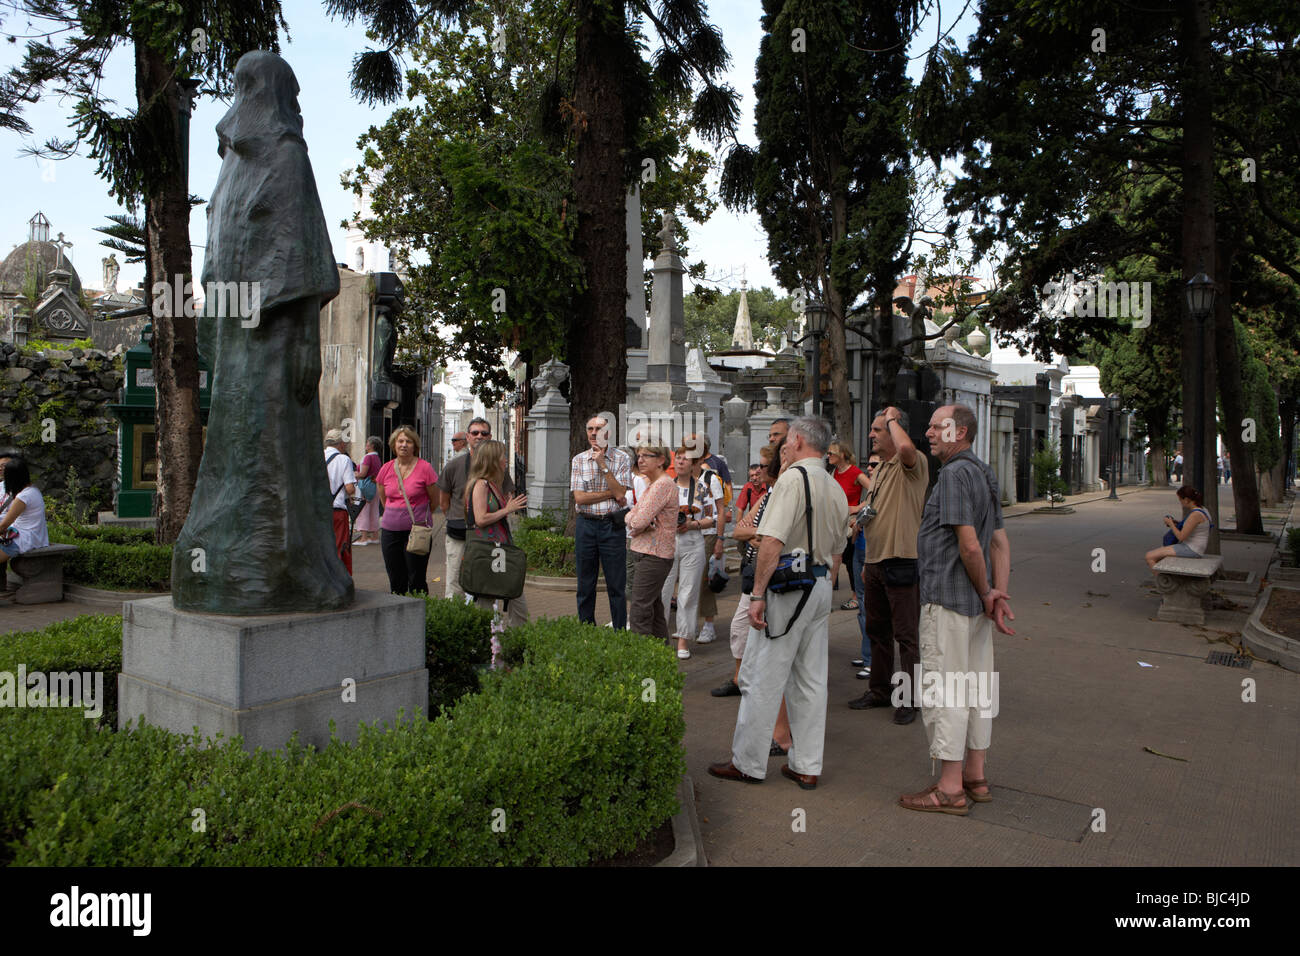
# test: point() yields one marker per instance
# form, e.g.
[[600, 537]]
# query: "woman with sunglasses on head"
[[652, 523], [854, 481]]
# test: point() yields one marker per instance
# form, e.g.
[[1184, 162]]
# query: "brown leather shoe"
[[728, 771], [806, 781]]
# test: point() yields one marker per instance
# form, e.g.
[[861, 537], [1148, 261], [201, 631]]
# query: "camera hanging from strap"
[[787, 577]]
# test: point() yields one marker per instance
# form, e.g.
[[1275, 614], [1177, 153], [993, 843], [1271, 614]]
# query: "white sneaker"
[[707, 634]]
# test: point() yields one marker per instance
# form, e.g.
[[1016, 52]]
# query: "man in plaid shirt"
[[961, 545], [599, 478]]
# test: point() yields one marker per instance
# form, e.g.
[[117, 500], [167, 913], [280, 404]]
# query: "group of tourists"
[[930, 574], [392, 504]]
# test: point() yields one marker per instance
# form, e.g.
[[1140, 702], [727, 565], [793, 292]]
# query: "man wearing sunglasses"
[[451, 488]]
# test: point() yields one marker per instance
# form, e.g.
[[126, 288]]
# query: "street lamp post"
[[1200, 302], [1114, 444], [816, 316]]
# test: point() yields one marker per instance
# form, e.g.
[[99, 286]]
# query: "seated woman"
[[1194, 535], [23, 526]]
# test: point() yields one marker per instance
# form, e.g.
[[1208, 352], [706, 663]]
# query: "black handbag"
[[493, 569]]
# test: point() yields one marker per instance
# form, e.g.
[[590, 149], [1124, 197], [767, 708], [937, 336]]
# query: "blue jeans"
[[598, 545], [859, 559]]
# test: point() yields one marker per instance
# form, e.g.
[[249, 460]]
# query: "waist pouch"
[[899, 572], [617, 519], [456, 530]]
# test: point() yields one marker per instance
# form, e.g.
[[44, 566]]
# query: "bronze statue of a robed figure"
[[259, 538]]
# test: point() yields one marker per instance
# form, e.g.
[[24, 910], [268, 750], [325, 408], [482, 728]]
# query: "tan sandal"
[[921, 801], [977, 797]]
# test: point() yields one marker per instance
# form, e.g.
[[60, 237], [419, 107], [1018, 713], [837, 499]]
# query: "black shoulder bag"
[[794, 572]]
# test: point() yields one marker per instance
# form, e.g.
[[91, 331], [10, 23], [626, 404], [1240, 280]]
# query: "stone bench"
[[41, 571], [1183, 583]]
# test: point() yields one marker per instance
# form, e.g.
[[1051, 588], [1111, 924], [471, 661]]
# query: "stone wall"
[[53, 413]]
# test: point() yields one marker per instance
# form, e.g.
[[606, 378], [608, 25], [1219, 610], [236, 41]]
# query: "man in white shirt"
[[342, 477]]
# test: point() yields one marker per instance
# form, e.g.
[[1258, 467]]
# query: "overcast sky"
[[320, 51]]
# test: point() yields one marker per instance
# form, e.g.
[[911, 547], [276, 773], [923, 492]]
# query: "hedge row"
[[92, 642], [117, 559], [547, 553], [572, 754]]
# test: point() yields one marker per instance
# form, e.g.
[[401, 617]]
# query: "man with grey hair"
[[889, 586], [451, 498], [786, 650], [964, 564], [342, 474]]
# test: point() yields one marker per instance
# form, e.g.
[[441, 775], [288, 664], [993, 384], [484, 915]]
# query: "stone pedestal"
[[548, 442], [265, 677]]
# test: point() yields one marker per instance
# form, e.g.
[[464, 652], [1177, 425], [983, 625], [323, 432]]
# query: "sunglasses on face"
[[481, 434]]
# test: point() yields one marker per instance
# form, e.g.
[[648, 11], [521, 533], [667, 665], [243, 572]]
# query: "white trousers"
[[688, 572], [793, 665], [740, 628], [451, 575], [959, 692]]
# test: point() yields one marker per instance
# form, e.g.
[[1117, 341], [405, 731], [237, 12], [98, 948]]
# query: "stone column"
[[665, 384], [708, 388], [735, 442], [761, 421], [548, 441]]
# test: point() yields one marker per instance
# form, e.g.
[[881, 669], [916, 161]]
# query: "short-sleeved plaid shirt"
[[584, 475], [966, 494]]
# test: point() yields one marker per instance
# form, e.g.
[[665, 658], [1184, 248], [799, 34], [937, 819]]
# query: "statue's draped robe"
[[259, 536]]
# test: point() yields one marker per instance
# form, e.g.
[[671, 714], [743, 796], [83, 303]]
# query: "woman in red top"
[[854, 481]]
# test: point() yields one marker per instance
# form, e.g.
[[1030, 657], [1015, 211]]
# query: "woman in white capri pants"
[[695, 511]]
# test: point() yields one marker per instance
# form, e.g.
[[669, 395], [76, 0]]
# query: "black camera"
[[681, 518], [865, 515]]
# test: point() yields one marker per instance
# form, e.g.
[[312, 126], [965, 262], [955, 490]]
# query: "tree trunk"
[[889, 359], [1245, 491], [835, 334], [1198, 249], [1159, 472], [597, 355], [175, 349], [1287, 412]]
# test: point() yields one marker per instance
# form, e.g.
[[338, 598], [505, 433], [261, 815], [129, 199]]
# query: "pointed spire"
[[742, 337]]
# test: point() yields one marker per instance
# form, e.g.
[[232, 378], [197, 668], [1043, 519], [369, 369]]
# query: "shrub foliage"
[[571, 754]]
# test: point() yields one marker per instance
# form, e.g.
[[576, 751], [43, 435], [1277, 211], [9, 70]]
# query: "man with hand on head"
[[889, 587], [965, 564], [599, 478]]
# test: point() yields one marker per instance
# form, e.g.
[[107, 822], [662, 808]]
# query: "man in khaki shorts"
[[961, 546]]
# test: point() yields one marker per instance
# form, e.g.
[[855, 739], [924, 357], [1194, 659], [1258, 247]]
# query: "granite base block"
[[267, 676]]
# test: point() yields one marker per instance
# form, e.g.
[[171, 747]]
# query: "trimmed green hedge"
[[572, 755], [457, 648], [91, 642], [547, 553], [114, 558]]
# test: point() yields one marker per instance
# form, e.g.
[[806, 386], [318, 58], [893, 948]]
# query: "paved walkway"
[[1077, 711]]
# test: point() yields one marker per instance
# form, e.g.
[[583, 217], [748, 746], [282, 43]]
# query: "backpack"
[[727, 492]]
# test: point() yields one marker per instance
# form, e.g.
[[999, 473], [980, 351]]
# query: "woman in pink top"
[[406, 571], [653, 526]]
